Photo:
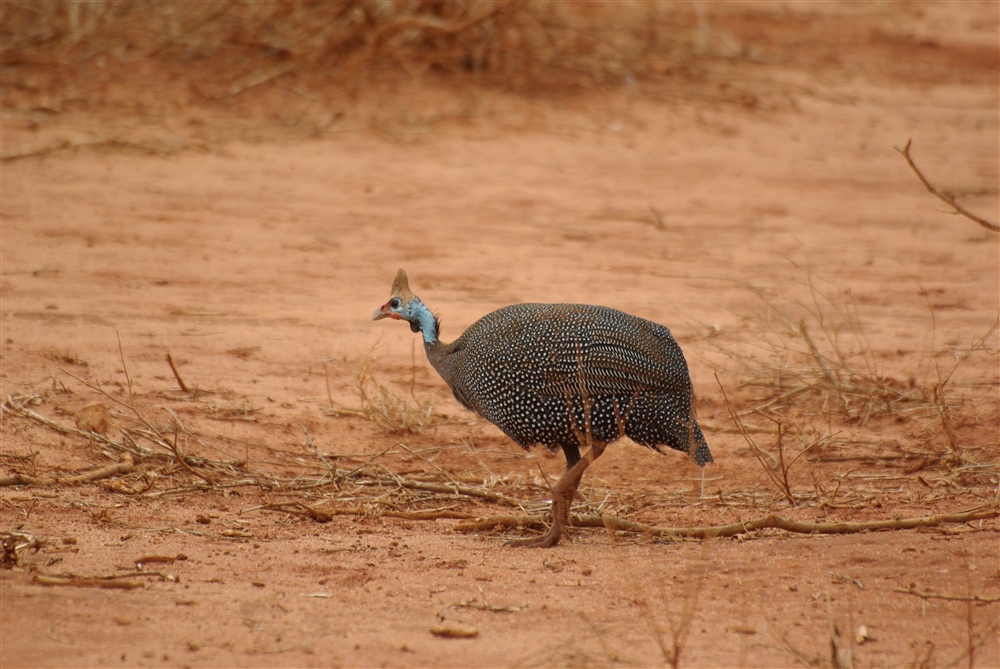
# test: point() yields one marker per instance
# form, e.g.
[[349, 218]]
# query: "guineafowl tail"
[[698, 446]]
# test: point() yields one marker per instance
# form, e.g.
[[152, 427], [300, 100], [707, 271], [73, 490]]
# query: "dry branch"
[[112, 143], [88, 583], [952, 598], [126, 466], [947, 198], [365, 475], [770, 521], [17, 404], [115, 581], [306, 511]]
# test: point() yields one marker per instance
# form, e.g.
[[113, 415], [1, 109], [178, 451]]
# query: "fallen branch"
[[84, 582], [151, 148], [126, 466], [16, 403], [947, 198], [453, 488], [515, 523], [770, 521], [951, 598], [305, 511]]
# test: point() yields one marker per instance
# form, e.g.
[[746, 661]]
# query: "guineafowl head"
[[404, 305]]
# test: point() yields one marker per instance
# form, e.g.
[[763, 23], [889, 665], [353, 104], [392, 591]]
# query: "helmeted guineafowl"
[[565, 376]]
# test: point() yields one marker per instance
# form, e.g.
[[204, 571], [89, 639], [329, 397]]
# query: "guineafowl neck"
[[437, 352], [426, 323]]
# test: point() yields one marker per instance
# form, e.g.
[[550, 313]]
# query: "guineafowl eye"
[[566, 376]]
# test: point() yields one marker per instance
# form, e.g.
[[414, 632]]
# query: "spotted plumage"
[[564, 376]]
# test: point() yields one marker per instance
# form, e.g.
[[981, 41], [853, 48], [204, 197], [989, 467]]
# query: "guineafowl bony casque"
[[565, 376]]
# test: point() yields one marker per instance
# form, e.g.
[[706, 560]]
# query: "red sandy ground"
[[257, 264]]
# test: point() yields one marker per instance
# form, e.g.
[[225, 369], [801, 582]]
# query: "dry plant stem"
[[121, 356], [835, 662], [305, 511], [126, 466], [780, 480], [770, 521], [951, 598], [804, 658], [331, 469], [947, 198], [944, 413], [681, 625], [830, 378], [16, 403], [457, 490], [154, 434], [815, 367], [107, 142], [182, 460], [362, 475], [974, 642], [326, 378], [42, 579], [177, 375]]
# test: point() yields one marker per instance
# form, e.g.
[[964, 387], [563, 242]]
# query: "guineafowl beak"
[[384, 312]]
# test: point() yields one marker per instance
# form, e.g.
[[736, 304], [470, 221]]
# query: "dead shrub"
[[817, 356], [504, 42]]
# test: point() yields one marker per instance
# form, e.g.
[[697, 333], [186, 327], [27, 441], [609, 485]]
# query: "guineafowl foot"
[[557, 530], [547, 540], [562, 497]]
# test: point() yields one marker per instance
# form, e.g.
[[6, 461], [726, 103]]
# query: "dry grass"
[[816, 357], [835, 374], [805, 380], [387, 409], [236, 46]]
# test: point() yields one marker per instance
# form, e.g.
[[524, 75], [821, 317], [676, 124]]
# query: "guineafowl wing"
[[634, 358]]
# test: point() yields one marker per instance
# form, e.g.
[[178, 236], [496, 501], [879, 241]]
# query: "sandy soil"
[[770, 186]]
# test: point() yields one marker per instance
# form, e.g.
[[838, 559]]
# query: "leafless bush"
[[817, 355], [506, 42]]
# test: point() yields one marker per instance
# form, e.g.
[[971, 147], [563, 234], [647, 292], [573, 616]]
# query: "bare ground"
[[289, 528]]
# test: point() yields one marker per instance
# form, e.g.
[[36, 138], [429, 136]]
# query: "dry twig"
[[42, 579], [177, 375], [947, 198], [951, 598], [126, 466]]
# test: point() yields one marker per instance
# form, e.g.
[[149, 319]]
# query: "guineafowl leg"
[[562, 497]]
